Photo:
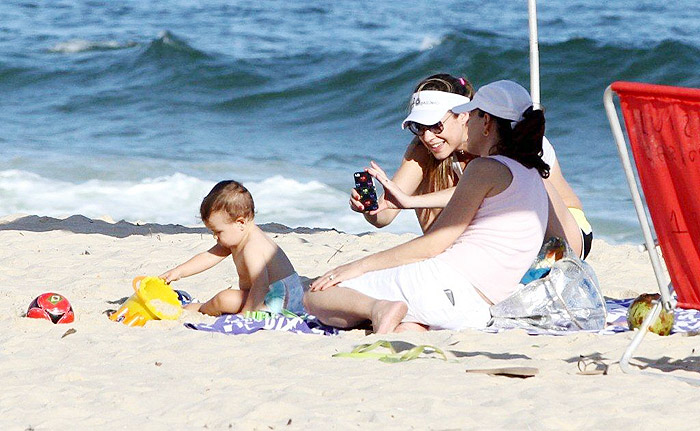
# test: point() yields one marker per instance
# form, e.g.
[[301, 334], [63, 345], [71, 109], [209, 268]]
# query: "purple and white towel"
[[683, 320], [237, 324]]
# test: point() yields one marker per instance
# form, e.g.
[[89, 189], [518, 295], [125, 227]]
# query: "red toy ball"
[[51, 306]]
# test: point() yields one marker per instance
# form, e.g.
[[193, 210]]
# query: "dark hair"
[[440, 171], [447, 83], [229, 196], [523, 142]]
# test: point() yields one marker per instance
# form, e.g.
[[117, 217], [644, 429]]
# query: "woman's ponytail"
[[522, 141]]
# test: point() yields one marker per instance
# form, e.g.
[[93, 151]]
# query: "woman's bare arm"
[[566, 193], [483, 177]]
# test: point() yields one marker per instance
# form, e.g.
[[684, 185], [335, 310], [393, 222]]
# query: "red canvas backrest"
[[663, 125]]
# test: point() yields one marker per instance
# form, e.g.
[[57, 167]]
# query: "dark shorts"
[[587, 243]]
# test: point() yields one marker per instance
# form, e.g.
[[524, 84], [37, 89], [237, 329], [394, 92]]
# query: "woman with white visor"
[[436, 157]]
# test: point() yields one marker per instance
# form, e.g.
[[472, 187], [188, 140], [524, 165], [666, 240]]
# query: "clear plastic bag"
[[568, 298]]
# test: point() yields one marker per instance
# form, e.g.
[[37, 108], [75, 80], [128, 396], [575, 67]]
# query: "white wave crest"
[[176, 198], [429, 42], [81, 45]]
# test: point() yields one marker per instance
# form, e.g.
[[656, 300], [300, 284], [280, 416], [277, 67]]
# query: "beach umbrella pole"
[[534, 55]]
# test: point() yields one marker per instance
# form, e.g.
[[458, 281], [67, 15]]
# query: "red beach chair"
[[663, 126]]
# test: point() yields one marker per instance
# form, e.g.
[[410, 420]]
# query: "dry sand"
[[164, 376]]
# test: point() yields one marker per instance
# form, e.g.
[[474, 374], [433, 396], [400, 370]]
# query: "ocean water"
[[135, 109]]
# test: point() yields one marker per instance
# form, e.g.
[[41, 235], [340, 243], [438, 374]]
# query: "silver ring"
[[331, 277]]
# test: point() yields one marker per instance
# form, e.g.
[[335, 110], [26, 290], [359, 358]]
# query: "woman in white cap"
[[435, 159], [476, 252]]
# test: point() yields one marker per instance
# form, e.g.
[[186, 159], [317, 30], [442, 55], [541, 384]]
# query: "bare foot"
[[411, 327], [387, 315]]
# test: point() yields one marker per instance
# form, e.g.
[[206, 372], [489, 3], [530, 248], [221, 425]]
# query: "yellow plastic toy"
[[153, 299]]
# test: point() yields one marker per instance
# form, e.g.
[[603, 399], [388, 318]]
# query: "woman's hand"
[[394, 197], [357, 206], [355, 203], [337, 275]]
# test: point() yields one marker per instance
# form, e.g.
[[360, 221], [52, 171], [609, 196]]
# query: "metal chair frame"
[[667, 300]]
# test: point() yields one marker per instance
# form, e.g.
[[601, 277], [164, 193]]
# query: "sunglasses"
[[419, 129]]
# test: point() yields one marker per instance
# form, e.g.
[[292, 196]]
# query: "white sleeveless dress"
[[491, 255]]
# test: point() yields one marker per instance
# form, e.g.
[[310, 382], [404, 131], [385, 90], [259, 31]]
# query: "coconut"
[[640, 308]]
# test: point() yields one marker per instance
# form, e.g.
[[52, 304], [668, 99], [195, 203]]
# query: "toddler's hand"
[[170, 276]]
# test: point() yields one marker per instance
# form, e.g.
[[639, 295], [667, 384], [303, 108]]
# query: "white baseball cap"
[[503, 99], [428, 107]]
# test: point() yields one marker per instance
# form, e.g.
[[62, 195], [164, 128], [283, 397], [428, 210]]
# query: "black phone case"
[[365, 187]]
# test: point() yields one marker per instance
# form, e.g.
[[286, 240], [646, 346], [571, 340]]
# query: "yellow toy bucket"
[[153, 299]]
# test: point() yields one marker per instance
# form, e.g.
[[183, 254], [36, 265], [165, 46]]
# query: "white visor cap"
[[428, 107], [503, 99]]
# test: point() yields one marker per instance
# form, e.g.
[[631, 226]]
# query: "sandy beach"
[[165, 376]]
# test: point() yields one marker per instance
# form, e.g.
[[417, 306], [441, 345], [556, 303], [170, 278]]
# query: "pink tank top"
[[502, 241]]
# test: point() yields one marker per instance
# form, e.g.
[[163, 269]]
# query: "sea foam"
[[81, 45], [176, 198]]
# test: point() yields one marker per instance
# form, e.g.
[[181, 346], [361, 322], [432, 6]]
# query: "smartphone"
[[365, 187]]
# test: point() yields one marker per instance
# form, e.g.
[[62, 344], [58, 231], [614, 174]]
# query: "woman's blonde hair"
[[440, 171]]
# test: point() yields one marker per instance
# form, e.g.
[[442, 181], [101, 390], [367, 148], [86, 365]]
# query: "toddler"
[[267, 280]]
